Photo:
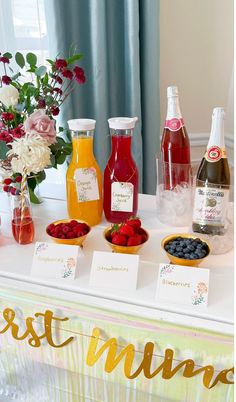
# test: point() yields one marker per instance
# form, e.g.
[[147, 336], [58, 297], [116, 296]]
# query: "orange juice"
[[84, 177]]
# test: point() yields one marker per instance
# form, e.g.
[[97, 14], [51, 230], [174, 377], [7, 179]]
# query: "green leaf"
[[32, 183], [45, 79], [50, 62], [33, 198], [20, 59], [40, 71], [53, 161], [72, 59], [60, 159], [40, 177], [31, 59], [8, 55], [3, 150]]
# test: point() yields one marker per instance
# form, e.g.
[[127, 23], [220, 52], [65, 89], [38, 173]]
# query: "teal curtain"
[[120, 43]]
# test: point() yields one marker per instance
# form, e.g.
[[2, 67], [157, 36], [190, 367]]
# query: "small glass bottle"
[[121, 173], [84, 177], [21, 219]]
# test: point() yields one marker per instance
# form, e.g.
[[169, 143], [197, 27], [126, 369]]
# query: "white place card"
[[55, 261], [114, 271], [183, 285]]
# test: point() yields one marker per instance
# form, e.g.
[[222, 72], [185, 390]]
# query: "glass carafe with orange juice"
[[84, 177]]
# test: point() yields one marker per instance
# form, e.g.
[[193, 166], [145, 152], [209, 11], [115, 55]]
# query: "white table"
[[15, 268]]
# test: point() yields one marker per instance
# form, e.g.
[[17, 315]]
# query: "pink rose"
[[39, 123]]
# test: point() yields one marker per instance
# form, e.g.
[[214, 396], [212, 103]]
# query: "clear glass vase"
[[21, 219]]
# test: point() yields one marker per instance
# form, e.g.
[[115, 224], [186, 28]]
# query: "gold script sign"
[[166, 370], [113, 357]]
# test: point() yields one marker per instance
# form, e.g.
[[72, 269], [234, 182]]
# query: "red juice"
[[120, 181], [22, 228]]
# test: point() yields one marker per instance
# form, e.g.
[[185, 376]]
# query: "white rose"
[[9, 95]]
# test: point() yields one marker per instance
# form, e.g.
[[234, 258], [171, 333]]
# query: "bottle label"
[[210, 206], [214, 154], [122, 194], [86, 184], [174, 124]]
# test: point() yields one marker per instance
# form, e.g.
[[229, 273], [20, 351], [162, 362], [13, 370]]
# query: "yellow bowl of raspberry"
[[68, 231], [128, 237]]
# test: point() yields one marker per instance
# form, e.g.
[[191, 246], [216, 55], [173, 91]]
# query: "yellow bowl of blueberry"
[[185, 249]]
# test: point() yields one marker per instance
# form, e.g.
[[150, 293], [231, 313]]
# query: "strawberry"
[[127, 230], [119, 239], [135, 222], [134, 240]]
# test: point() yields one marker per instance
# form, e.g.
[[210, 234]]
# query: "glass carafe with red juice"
[[175, 145], [121, 173]]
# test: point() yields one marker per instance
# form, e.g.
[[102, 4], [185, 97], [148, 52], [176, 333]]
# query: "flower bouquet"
[[30, 99]]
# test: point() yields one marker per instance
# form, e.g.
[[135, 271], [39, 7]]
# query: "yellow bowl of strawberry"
[[127, 237], [68, 231]]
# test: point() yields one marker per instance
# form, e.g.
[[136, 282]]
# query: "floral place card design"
[[55, 261], [183, 285], [86, 184], [122, 194], [114, 271]]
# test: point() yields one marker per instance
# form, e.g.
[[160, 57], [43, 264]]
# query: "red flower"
[[18, 132], [55, 110], [60, 63], [57, 90], [4, 60], [6, 79], [5, 136], [67, 74], [41, 104], [7, 116], [79, 75]]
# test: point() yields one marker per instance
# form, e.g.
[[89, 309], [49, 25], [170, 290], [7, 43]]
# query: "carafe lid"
[[122, 123], [81, 124]]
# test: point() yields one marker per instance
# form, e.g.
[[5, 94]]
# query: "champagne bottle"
[[175, 145], [213, 181]]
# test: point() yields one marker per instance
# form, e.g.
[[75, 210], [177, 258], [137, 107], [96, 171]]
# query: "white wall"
[[196, 54]]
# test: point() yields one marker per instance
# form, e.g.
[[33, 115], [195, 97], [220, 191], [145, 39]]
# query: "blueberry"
[[185, 250], [194, 244], [181, 243], [186, 256], [199, 246], [191, 248], [201, 255], [178, 248], [180, 254], [167, 247], [170, 242], [171, 251], [205, 245], [187, 242], [175, 243], [198, 251]]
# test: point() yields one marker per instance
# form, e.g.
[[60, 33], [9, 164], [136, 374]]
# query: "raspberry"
[[13, 190], [70, 235], [18, 179], [6, 188], [73, 223], [7, 181]]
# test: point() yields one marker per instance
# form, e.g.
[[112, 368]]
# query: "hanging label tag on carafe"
[[122, 196], [86, 184]]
